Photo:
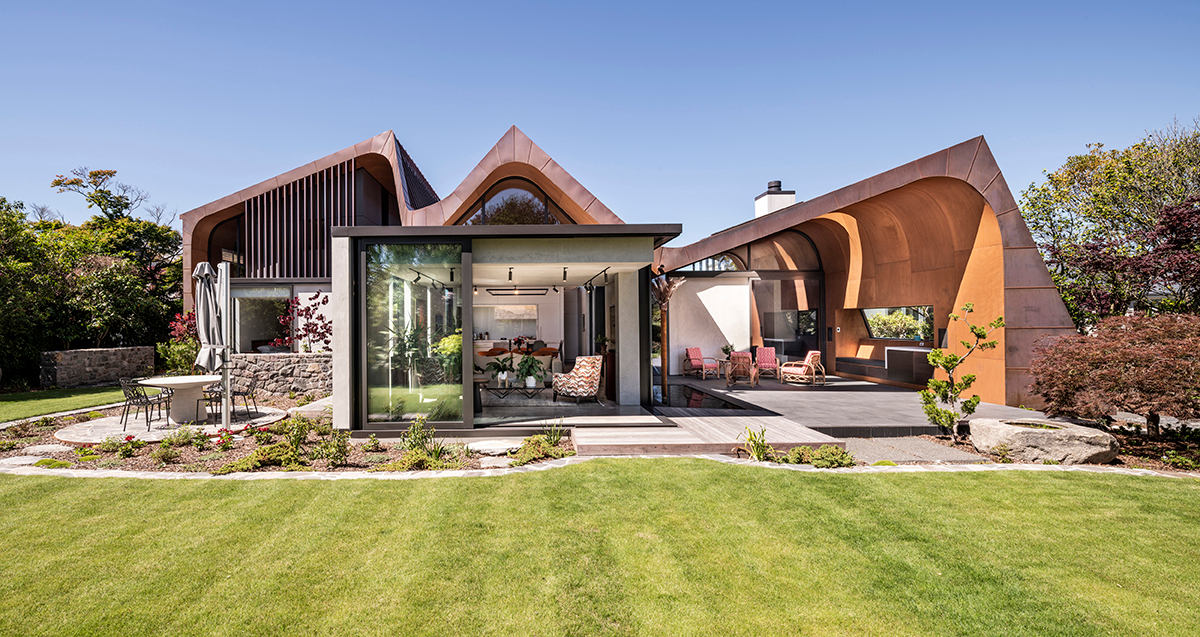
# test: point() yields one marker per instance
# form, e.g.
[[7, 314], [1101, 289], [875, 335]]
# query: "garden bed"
[[294, 444]]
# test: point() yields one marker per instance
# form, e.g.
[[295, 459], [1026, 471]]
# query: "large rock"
[[1034, 440]]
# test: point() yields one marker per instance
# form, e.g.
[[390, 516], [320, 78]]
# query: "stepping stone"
[[46, 450], [18, 461], [494, 447], [494, 462]]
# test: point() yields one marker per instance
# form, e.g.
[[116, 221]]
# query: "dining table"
[[187, 391]]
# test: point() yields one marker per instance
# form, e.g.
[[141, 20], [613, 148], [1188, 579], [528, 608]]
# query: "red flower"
[[128, 438]]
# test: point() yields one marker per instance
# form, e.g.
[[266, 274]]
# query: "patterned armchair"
[[741, 368], [583, 381], [695, 363], [766, 362], [807, 372]]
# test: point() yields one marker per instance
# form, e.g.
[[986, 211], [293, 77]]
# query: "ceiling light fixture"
[[475, 289], [564, 274], [517, 291], [452, 275], [510, 273]]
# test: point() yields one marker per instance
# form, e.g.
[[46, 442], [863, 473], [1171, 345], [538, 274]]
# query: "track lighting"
[[555, 288], [510, 273], [564, 274], [475, 289], [452, 275]]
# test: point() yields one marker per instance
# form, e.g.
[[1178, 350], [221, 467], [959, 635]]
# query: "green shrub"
[[84, 451], [90, 457], [303, 400], [372, 444], [109, 445], [883, 463], [94, 415], [45, 422], [165, 453], [1050, 461], [797, 455], [1001, 451], [417, 436], [19, 430], [262, 436], [323, 428], [292, 395], [209, 457], [831, 457], [280, 454], [224, 439], [181, 437], [200, 442], [1179, 461], [536, 448], [128, 448], [7, 445], [375, 458], [194, 467], [51, 463], [410, 460], [336, 449], [178, 356], [110, 464]]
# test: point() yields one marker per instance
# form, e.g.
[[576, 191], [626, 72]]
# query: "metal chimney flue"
[[775, 198]]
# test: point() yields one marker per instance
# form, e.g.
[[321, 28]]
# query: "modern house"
[[522, 256]]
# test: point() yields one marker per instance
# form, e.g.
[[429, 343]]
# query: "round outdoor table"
[[188, 390]]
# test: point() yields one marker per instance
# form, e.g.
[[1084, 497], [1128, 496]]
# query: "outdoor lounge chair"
[[806, 372], [741, 368], [583, 381], [702, 366], [766, 362], [137, 399]]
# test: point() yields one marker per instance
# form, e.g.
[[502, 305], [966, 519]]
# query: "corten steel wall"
[[942, 230]]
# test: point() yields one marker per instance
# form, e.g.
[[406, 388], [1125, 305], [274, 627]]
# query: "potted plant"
[[727, 349], [530, 368], [603, 343], [501, 367]]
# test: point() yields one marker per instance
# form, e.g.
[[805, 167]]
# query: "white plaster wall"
[[550, 312], [708, 312], [339, 308]]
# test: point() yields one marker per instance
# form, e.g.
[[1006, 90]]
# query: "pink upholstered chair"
[[807, 372], [766, 362], [700, 365]]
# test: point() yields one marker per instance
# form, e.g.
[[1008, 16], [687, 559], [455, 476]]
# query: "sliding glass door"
[[412, 329]]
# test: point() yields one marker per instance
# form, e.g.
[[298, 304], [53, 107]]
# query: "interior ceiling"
[[545, 274]]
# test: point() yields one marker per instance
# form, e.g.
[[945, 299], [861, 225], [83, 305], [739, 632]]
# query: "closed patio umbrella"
[[208, 318]]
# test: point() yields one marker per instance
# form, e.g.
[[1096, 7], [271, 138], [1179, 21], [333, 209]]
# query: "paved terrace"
[[844, 407]]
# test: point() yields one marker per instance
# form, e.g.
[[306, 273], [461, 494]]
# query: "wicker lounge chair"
[[810, 371], [698, 364], [741, 369], [766, 362]]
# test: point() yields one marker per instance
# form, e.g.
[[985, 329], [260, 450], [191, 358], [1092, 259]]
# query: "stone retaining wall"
[[281, 374], [98, 366]]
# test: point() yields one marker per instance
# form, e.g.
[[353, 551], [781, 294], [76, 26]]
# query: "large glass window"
[[256, 327], [413, 332], [786, 313], [909, 323]]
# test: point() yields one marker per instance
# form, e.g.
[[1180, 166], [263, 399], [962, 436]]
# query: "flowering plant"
[[129, 447], [224, 439], [306, 324], [183, 328]]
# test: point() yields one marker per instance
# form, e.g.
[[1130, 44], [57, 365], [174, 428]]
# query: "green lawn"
[[669, 546], [49, 401]]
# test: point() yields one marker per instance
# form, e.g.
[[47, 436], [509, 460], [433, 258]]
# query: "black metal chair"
[[247, 395], [212, 400], [137, 399]]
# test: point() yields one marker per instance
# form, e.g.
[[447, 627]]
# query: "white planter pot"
[[502, 377], [531, 381]]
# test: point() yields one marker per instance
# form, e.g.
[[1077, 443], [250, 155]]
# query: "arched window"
[[225, 244], [515, 201]]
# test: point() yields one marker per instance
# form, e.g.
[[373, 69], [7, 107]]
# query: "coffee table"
[[520, 388]]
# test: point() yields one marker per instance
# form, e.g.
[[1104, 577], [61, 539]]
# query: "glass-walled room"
[[413, 331]]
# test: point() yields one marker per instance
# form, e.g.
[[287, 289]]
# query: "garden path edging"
[[562, 462]]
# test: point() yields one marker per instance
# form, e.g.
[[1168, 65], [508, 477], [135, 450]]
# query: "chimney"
[[773, 199]]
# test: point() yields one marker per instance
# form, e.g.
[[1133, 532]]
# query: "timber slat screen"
[[287, 229]]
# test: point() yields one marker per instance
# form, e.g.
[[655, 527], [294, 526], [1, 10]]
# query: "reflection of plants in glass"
[[449, 351], [911, 323], [306, 324], [516, 207]]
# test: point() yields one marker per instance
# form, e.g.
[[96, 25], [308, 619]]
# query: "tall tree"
[[1096, 215], [100, 190]]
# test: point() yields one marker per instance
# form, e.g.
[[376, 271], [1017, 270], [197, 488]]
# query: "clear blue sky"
[[667, 112]]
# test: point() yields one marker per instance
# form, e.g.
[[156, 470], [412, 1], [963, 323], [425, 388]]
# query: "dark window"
[[225, 245]]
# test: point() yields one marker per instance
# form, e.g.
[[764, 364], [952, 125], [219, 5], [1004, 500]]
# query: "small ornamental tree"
[[942, 399], [1147, 365], [306, 324]]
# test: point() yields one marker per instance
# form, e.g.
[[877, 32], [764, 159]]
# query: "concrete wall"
[[708, 312], [98, 366], [282, 374], [629, 365]]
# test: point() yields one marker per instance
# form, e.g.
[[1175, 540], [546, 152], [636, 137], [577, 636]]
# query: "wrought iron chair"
[[138, 400], [247, 395]]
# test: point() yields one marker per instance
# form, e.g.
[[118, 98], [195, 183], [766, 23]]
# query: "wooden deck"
[[697, 431]]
